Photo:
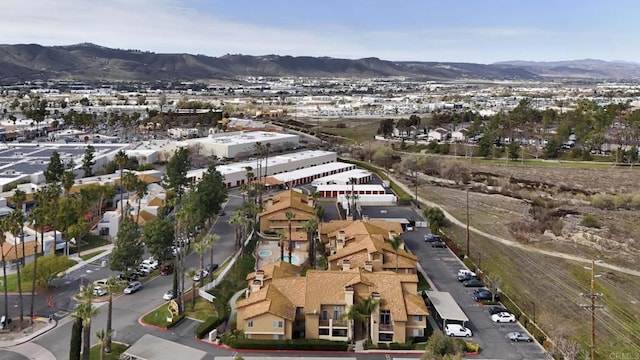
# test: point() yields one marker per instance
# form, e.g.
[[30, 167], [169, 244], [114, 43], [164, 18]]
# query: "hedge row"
[[211, 323], [175, 321], [401, 346], [298, 344]]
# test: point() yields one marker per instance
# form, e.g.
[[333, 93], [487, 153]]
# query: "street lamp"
[[467, 221]]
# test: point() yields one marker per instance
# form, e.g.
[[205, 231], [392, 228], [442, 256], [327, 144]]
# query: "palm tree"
[[19, 198], [290, 216], [367, 307], [281, 238], [66, 181], [112, 286], [3, 239], [140, 188], [353, 314], [86, 311], [396, 243], [267, 146], [129, 181], [15, 222], [238, 220], [310, 227], [104, 337], [121, 160], [353, 181], [191, 273], [210, 240], [200, 248]]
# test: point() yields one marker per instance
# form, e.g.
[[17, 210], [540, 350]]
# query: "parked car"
[[133, 287], [212, 267], [128, 278], [519, 336], [465, 277], [101, 282], [466, 272], [99, 291], [166, 270], [482, 294], [473, 282], [152, 263], [503, 317], [432, 237], [438, 244], [494, 309], [200, 274], [457, 330], [168, 295]]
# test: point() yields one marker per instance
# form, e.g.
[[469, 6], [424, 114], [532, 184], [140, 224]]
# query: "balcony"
[[333, 323], [386, 327]]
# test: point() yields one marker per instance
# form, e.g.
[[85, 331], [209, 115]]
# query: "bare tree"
[[493, 283], [569, 349]]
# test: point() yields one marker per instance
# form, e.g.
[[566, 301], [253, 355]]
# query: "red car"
[[167, 270]]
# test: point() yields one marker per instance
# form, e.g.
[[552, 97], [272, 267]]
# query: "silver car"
[[517, 336], [132, 287]]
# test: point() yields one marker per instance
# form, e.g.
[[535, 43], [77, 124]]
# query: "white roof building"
[[342, 178], [230, 145], [307, 175]]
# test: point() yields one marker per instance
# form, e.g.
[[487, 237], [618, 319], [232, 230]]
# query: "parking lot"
[[441, 266]]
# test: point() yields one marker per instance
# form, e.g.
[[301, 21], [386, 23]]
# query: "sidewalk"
[[107, 250]]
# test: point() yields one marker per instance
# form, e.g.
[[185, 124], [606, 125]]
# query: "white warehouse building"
[[361, 177], [230, 145], [235, 174]]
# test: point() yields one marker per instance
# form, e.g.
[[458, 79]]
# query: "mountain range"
[[90, 62]]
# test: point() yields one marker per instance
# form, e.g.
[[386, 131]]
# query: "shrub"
[[383, 346], [298, 344], [401, 346], [471, 347], [589, 221], [175, 321], [602, 201], [209, 324]]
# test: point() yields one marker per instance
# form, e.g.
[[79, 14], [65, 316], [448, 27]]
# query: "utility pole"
[[592, 307], [467, 221]]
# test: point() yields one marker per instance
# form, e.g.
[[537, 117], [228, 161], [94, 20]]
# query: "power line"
[[592, 295]]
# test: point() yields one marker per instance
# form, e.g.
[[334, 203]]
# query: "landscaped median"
[[160, 316]]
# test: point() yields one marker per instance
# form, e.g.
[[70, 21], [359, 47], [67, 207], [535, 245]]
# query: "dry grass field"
[[505, 202]]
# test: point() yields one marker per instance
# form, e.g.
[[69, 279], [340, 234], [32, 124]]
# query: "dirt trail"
[[515, 244]]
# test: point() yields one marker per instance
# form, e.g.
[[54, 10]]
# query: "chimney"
[[341, 235], [260, 275], [368, 265], [256, 285], [339, 244], [346, 265], [310, 202], [269, 202], [392, 234], [348, 295], [365, 218]]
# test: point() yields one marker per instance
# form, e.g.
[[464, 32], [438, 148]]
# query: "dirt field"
[[503, 196]]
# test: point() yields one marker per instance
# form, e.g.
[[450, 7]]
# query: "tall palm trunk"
[[107, 343], [33, 280], [4, 276], [15, 248], [289, 243], [86, 340], [211, 262]]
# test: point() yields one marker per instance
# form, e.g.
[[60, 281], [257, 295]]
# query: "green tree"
[[396, 243], [175, 177], [140, 188], [66, 181], [239, 222], [48, 268], [353, 314], [210, 240], [514, 150], [76, 338], [88, 161], [552, 149], [439, 346], [310, 227], [290, 216], [366, 307], [128, 250], [200, 248], [158, 235], [54, 170], [103, 336], [3, 240], [86, 311], [386, 127], [435, 217], [212, 191]]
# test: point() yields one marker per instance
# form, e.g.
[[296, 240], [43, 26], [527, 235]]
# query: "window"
[[417, 318], [299, 310], [323, 331], [250, 323], [278, 324], [337, 312], [418, 332], [324, 315], [385, 317], [339, 332], [385, 337], [277, 337]]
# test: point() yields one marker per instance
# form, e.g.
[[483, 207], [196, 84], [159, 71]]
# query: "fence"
[[204, 291]]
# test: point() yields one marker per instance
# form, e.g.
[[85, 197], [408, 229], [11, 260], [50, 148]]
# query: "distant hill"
[[584, 69], [93, 62]]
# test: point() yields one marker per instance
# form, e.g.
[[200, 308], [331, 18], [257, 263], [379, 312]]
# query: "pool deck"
[[273, 247]]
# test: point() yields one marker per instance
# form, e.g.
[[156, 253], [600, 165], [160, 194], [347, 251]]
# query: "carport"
[[150, 347], [446, 308]]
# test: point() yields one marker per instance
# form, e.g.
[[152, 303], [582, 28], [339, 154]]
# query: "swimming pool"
[[286, 259], [264, 253]]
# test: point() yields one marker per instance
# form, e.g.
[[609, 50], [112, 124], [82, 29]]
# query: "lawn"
[[12, 280], [89, 242], [88, 256], [202, 310], [359, 130], [158, 316], [116, 350]]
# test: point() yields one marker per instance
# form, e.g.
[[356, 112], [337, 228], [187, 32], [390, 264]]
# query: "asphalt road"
[[442, 266]]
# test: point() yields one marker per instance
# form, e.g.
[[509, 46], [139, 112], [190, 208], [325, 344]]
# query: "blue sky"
[[421, 30]]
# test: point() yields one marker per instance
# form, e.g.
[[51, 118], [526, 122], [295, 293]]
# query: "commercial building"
[[309, 174], [343, 178], [333, 191], [237, 144]]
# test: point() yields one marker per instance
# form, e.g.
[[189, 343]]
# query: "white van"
[[99, 291]]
